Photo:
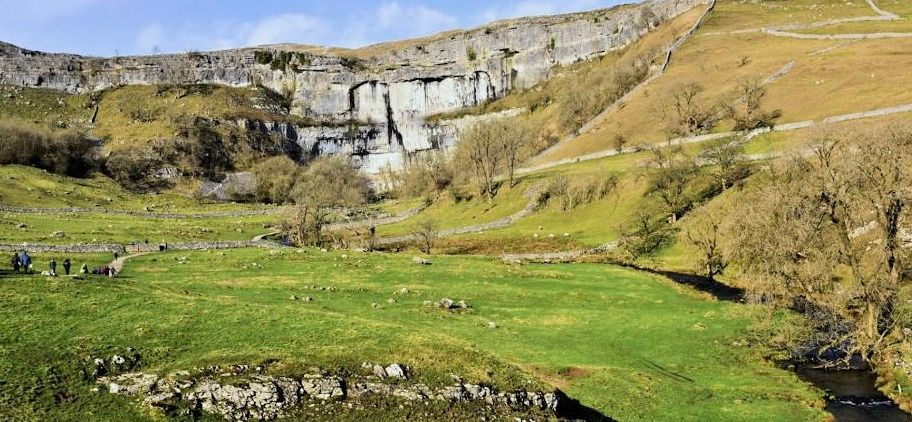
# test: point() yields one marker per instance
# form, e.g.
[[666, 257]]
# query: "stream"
[[852, 395]]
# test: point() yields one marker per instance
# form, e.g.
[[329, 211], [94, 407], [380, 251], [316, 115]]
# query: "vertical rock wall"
[[389, 88]]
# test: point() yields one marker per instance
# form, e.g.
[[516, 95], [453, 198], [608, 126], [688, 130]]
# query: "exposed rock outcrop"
[[240, 397], [390, 89]]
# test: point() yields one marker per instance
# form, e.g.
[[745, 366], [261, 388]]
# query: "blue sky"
[[112, 27]]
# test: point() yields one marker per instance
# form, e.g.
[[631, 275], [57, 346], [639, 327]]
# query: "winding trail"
[[531, 194], [788, 31], [376, 221], [118, 263], [785, 127]]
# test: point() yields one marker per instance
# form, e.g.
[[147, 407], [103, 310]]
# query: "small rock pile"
[[448, 304]]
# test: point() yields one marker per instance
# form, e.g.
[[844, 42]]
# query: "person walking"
[[53, 265], [26, 261], [66, 266], [116, 255], [16, 263]]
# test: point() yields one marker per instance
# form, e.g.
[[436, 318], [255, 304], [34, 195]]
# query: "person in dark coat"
[[53, 266], [16, 263], [66, 266]]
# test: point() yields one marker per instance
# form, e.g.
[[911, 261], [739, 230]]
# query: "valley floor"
[[630, 345]]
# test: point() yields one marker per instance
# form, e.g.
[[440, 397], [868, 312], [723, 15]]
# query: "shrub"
[[572, 194], [275, 179], [63, 152]]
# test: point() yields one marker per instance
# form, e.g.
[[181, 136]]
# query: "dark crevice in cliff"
[[352, 102], [391, 127]]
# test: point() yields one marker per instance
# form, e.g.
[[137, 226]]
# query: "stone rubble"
[[246, 397]]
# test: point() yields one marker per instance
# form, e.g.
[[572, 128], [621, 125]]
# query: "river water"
[[852, 395]]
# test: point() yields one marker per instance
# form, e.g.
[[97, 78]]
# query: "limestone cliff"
[[389, 88]]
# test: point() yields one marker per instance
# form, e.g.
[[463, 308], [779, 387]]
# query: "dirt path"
[[785, 127], [379, 221], [531, 195], [118, 263]]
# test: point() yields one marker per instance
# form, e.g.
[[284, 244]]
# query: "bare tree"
[[481, 152], [747, 108], [686, 115], [425, 234], [706, 238], [516, 145], [275, 179], [327, 185], [671, 180], [827, 230], [646, 235], [727, 158]]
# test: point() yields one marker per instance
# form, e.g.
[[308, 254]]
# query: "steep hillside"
[[808, 79]]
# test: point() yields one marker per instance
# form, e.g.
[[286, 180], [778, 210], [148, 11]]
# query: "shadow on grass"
[[572, 409], [704, 284]]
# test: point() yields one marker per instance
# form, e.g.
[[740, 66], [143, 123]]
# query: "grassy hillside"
[[29, 187], [815, 78], [682, 357]]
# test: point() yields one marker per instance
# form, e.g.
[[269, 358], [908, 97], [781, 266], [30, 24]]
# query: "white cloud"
[[287, 28], [413, 19], [219, 35], [150, 39], [541, 7]]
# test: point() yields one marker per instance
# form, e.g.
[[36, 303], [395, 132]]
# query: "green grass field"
[[634, 346]]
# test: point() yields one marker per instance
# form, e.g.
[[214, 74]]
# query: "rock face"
[[389, 89]]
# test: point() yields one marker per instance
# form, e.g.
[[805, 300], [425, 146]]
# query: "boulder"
[[323, 388], [397, 371], [132, 384]]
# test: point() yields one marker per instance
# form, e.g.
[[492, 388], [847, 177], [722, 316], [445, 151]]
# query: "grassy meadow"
[[631, 345]]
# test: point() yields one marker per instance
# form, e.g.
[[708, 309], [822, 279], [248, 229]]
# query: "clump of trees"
[[571, 193], [677, 183], [425, 234], [591, 93], [65, 152], [326, 186], [827, 232], [200, 149], [489, 149], [276, 178], [747, 107], [423, 177]]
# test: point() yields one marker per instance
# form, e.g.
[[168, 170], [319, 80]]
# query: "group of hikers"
[[22, 263]]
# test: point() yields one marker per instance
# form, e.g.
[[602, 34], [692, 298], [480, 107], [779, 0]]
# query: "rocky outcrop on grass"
[[238, 395]]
